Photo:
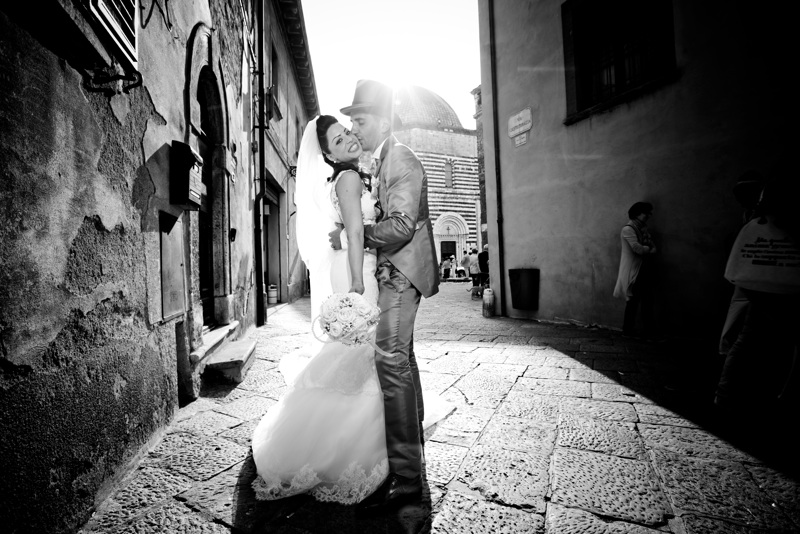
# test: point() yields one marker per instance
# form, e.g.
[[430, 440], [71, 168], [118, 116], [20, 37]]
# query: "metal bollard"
[[488, 302]]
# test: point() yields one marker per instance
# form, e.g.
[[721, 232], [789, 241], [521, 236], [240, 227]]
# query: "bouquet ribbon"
[[347, 339]]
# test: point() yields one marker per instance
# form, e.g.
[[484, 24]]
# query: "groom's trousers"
[[399, 300]]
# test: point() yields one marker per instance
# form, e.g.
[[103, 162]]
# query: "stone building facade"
[[145, 204], [578, 127], [448, 152], [476, 93]]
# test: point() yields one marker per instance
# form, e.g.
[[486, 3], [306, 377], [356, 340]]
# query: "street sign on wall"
[[519, 122]]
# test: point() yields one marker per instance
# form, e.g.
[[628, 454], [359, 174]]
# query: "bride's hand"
[[357, 288]]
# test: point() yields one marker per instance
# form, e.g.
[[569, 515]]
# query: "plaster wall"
[[565, 192]]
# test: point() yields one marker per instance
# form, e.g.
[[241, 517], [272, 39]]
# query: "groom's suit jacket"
[[404, 234]]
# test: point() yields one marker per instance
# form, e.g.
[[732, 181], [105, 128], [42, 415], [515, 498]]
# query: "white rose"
[[334, 330], [325, 306], [364, 308], [346, 315], [327, 317]]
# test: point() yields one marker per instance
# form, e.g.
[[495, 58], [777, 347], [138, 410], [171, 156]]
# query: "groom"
[[407, 270]]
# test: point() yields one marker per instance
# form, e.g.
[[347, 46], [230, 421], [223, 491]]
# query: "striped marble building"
[[449, 153]]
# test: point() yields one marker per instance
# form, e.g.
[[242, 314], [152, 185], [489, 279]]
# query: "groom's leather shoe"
[[395, 491]]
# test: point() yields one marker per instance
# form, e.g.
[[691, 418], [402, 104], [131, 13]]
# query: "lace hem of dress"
[[352, 486]]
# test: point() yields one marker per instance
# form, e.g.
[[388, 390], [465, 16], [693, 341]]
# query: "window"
[[275, 72], [448, 174], [273, 101], [298, 133], [614, 51], [119, 19]]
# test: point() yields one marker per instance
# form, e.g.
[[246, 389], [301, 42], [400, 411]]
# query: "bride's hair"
[[324, 122]]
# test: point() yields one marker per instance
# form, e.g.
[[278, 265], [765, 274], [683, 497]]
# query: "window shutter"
[[120, 21]]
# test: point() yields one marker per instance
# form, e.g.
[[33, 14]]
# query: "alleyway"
[[558, 429]]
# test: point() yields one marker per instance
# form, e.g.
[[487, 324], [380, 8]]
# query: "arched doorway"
[[450, 234], [209, 137]]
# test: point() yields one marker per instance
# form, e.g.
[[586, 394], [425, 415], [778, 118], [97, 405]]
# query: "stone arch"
[[207, 133], [450, 227], [202, 54]]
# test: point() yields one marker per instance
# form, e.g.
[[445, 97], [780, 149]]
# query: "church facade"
[[449, 153]]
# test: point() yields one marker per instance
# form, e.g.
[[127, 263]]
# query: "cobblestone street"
[[557, 429]]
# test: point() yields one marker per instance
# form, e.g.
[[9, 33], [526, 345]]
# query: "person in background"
[[463, 268], [635, 280], [483, 264], [446, 266], [748, 192], [761, 367], [455, 267], [474, 272]]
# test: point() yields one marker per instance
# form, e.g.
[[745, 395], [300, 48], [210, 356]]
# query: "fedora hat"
[[373, 97]]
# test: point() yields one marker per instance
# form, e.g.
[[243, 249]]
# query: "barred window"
[[614, 51]]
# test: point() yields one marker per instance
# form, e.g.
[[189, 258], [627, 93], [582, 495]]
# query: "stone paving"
[[558, 429]]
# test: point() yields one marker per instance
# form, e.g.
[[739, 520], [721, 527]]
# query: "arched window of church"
[[448, 174]]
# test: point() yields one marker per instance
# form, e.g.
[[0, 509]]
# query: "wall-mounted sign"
[[519, 122], [521, 139]]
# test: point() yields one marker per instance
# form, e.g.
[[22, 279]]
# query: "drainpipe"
[[499, 183], [258, 218]]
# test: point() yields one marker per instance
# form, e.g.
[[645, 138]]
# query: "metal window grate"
[[612, 49]]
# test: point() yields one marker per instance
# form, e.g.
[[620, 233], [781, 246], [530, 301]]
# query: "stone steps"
[[230, 361], [213, 340]]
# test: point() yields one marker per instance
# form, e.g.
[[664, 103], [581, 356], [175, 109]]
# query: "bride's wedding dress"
[[326, 435]]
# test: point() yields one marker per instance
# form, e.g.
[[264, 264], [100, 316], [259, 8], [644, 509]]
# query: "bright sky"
[[430, 43]]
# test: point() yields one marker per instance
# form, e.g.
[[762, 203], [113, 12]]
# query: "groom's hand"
[[335, 237]]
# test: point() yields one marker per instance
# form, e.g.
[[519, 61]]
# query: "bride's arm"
[[348, 189]]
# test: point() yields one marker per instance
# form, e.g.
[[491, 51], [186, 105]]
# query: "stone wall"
[[439, 142], [461, 197], [86, 379], [481, 162], [460, 201], [89, 358]]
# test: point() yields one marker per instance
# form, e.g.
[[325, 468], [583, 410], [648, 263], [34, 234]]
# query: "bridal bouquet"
[[349, 318]]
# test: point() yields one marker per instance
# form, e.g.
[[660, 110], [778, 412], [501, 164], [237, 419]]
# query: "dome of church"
[[418, 107]]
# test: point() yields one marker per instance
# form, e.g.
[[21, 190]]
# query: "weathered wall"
[[565, 193], [87, 379], [89, 363]]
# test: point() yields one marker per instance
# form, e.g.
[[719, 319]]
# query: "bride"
[[326, 435]]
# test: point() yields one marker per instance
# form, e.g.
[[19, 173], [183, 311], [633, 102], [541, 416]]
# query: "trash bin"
[[524, 288], [272, 294]]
